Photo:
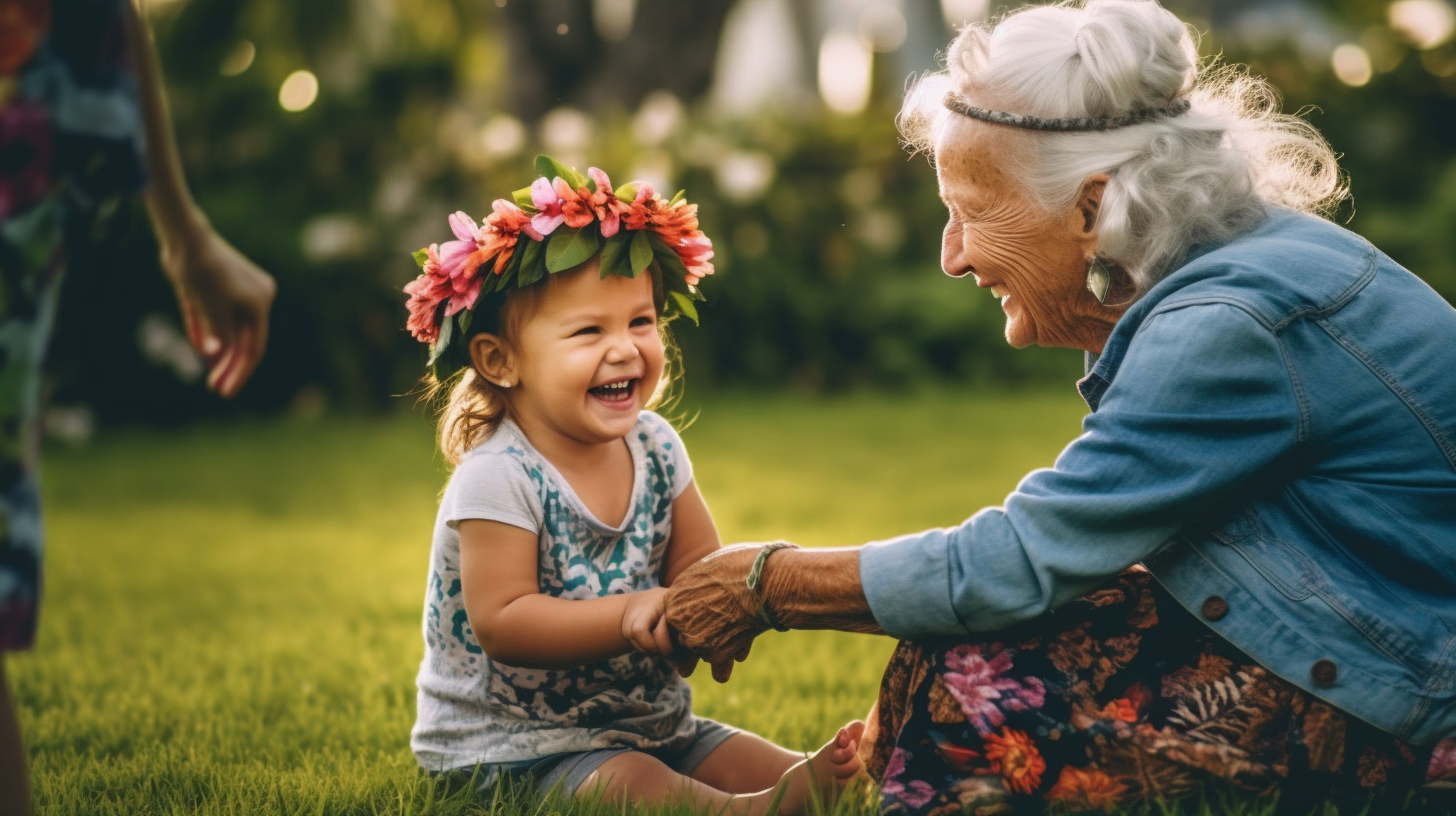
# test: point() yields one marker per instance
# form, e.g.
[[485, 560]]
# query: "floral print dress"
[[1120, 698], [70, 144]]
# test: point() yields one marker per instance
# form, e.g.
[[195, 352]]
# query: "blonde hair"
[[471, 407], [1176, 182]]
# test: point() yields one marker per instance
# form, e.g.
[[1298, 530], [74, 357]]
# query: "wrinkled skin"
[[711, 611], [1035, 261], [715, 617]]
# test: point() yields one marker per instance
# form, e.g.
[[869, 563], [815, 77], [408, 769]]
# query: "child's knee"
[[629, 776]]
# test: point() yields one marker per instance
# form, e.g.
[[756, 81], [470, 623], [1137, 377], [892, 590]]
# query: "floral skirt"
[[1121, 697]]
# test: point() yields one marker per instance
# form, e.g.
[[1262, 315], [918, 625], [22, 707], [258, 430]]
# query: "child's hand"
[[644, 622]]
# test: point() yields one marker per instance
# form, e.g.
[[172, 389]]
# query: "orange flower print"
[[1088, 789], [1126, 709], [23, 25], [1373, 768], [1013, 755]]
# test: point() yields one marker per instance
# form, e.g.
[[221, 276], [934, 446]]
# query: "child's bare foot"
[[820, 777]]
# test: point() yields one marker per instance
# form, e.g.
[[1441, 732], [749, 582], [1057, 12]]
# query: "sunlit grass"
[[232, 616]]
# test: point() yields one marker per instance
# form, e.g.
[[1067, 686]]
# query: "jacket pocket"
[[1285, 568]]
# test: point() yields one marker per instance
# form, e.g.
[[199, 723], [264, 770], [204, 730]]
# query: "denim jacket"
[[1273, 435]]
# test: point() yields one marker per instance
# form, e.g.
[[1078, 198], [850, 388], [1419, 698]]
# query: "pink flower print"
[[983, 690], [1443, 762], [25, 137], [915, 793], [548, 205]]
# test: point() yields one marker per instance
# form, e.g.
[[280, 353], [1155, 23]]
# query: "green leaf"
[[522, 197], [550, 168], [570, 247], [420, 256], [465, 318], [447, 330], [615, 256], [533, 261], [641, 252], [685, 305], [626, 192], [675, 199]]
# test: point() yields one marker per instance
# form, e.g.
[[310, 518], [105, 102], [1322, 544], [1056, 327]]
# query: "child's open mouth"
[[615, 392]]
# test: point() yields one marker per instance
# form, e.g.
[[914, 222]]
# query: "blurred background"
[[328, 139]]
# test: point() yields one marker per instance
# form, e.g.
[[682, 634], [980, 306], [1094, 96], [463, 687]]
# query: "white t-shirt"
[[474, 710]]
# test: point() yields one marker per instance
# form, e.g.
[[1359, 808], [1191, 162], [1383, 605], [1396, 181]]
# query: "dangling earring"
[[1099, 280]]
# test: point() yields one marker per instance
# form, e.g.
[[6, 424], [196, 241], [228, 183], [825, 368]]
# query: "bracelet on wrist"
[[765, 615]]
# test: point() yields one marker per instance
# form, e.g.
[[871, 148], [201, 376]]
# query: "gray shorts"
[[566, 772]]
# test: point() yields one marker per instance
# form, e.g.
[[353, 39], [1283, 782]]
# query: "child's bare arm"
[[694, 536], [514, 622]]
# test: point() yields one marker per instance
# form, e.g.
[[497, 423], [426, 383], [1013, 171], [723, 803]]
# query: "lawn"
[[231, 623]]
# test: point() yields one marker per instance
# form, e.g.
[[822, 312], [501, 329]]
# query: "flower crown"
[[567, 218]]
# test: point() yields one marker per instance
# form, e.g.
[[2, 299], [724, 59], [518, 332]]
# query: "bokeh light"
[[844, 72], [239, 59], [882, 27], [502, 135], [298, 91], [1351, 64], [1426, 23], [959, 12]]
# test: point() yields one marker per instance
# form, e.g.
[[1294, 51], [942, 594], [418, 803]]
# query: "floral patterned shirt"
[[473, 710]]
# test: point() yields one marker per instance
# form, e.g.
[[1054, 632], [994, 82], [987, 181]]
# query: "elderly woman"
[[1243, 572]]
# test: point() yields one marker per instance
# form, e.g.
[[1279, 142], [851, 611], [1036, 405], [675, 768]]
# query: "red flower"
[[1087, 789], [1013, 755]]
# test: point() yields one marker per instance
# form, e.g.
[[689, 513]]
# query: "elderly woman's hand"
[[715, 614]]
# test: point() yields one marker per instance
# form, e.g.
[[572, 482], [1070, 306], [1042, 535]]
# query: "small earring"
[[1099, 280], [504, 383]]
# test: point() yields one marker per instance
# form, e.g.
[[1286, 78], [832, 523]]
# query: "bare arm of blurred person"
[[223, 296]]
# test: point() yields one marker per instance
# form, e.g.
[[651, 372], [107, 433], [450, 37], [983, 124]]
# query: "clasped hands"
[[708, 613]]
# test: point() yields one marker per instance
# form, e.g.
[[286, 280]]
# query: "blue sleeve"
[[1202, 409]]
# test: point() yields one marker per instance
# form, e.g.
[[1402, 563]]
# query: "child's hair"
[[493, 277]]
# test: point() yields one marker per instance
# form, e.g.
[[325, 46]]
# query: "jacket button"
[[1324, 672], [1215, 608]]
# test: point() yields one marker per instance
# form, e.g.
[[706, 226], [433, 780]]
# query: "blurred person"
[[571, 505], [1243, 572], [83, 123]]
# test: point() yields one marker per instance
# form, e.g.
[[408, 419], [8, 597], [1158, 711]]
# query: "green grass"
[[231, 624]]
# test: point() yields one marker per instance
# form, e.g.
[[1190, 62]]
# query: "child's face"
[[587, 359]]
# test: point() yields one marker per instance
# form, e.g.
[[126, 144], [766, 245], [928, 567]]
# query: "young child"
[[547, 656]]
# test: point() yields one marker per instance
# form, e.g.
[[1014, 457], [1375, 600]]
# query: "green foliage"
[[827, 276]]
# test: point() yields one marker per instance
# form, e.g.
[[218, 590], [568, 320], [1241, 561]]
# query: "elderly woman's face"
[[1034, 261]]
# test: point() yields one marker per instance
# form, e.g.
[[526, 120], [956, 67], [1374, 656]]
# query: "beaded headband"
[[958, 103], [558, 223]]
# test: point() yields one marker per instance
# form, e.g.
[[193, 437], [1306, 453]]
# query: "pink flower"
[[426, 293], [1443, 761], [695, 253], [983, 690], [549, 217], [917, 793], [575, 204], [639, 212], [604, 203]]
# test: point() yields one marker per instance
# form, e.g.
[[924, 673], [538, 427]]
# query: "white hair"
[[1175, 182]]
